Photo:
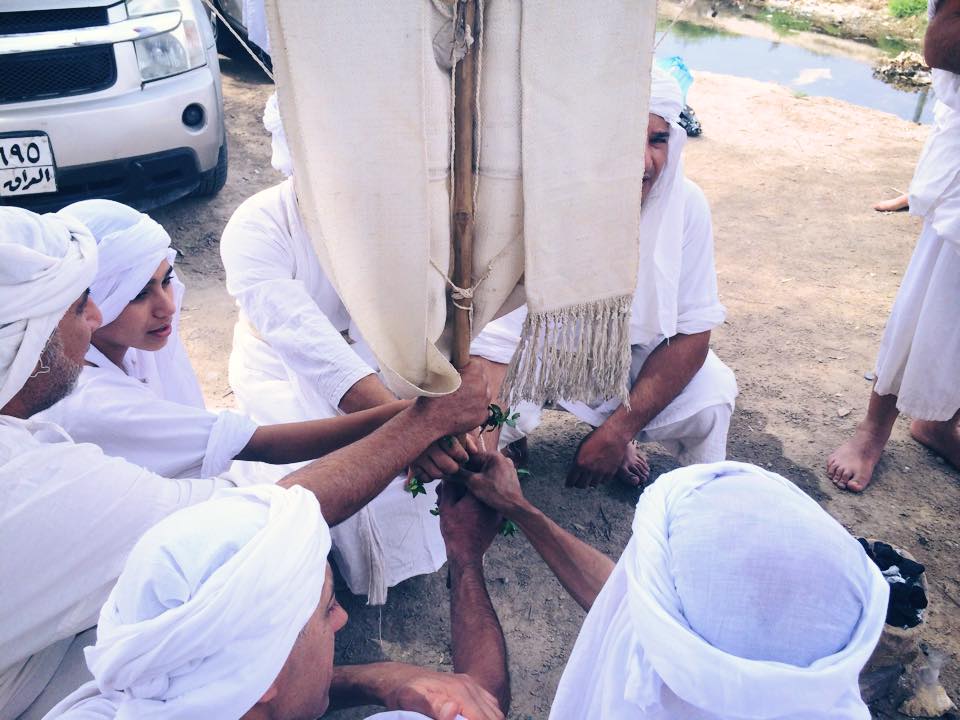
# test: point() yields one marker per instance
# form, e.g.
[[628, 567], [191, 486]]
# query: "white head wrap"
[[280, 159], [131, 247], [737, 597], [654, 310], [46, 262], [209, 606]]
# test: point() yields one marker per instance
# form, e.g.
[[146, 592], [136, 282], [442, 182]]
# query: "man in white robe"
[[298, 356], [682, 395], [736, 597], [226, 610], [138, 397], [918, 366], [69, 514]]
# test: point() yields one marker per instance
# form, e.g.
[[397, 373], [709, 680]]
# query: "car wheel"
[[212, 181]]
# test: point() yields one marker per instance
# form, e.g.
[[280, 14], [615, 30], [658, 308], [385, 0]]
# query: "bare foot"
[[850, 466], [635, 469], [895, 205], [941, 437]]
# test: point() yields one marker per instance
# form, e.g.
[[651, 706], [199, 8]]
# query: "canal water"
[[811, 72]]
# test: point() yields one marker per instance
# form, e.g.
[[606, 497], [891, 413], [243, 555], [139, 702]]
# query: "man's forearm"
[[354, 685], [664, 375], [296, 442], [580, 568], [368, 392], [479, 649], [347, 479]]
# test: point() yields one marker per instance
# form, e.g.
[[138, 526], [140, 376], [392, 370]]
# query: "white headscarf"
[[654, 310], [131, 247], [208, 607], [46, 262], [737, 597], [280, 159]]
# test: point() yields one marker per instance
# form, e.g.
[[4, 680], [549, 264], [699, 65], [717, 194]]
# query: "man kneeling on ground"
[[682, 395], [736, 597], [226, 610]]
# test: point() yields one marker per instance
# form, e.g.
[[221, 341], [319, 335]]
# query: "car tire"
[[212, 181]]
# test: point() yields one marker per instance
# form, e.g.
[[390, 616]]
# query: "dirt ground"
[[808, 273]]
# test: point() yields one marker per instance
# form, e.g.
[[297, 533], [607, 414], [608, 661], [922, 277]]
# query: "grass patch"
[[691, 31], [907, 8], [784, 23]]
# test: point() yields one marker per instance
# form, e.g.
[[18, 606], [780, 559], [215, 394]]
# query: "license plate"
[[26, 166]]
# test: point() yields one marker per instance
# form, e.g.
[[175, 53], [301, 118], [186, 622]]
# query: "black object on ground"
[[690, 122], [907, 596]]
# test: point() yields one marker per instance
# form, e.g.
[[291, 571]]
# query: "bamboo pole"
[[462, 219]]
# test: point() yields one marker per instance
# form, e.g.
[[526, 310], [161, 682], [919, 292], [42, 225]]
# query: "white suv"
[[108, 99]]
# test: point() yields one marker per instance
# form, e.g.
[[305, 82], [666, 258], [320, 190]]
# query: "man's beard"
[[48, 388]]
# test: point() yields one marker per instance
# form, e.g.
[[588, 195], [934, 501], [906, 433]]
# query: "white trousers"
[[693, 428]]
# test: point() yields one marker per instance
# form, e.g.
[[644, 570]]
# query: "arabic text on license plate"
[[26, 166]]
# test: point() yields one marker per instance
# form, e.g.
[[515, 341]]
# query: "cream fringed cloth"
[[562, 105]]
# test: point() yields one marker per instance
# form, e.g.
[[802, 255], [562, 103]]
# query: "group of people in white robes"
[[225, 608]]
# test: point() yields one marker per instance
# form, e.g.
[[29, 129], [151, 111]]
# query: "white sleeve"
[[71, 516], [699, 308], [128, 421], [499, 338], [260, 276]]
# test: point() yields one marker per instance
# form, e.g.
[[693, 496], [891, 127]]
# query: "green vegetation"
[[784, 23], [691, 31], [907, 8]]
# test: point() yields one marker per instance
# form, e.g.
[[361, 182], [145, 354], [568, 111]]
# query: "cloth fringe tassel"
[[581, 352], [372, 545]]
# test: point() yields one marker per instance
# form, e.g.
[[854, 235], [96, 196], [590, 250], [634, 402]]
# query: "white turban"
[[654, 309], [131, 247], [280, 159], [737, 597], [208, 607], [46, 262]]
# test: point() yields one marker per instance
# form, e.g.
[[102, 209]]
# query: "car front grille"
[[56, 73], [34, 21]]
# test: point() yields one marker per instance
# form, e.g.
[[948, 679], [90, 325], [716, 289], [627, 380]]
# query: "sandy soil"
[[808, 273]]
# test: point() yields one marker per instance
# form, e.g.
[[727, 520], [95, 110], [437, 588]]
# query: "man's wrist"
[[524, 514], [621, 426], [464, 561]]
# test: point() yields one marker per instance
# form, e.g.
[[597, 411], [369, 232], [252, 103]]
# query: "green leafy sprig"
[[497, 419]]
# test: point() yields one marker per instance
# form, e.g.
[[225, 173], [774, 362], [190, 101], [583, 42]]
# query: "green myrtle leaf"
[[523, 473], [435, 510], [508, 529]]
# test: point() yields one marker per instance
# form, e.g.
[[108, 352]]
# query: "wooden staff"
[[462, 220]]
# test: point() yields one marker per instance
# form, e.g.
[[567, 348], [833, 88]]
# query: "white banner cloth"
[[560, 173]]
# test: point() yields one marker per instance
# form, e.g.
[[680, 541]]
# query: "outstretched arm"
[[398, 686], [580, 568], [941, 45], [479, 649], [299, 441], [346, 480]]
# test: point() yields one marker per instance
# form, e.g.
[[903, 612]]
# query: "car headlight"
[[173, 52]]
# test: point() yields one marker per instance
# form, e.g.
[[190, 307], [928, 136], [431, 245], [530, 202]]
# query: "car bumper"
[[131, 146]]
